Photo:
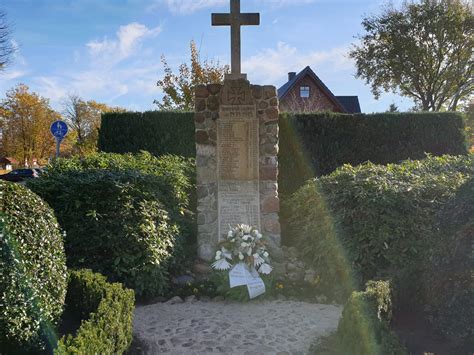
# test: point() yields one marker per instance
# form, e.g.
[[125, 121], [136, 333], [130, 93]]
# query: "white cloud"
[[115, 68], [51, 88], [129, 38], [12, 74], [17, 57], [273, 64], [16, 69], [279, 3], [185, 7], [99, 84]]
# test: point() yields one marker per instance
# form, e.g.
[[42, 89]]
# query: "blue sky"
[[109, 50]]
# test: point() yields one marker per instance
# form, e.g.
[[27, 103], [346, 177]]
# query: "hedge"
[[448, 282], [32, 271], [106, 311], [156, 132], [364, 327], [174, 174], [122, 215], [313, 145], [372, 221]]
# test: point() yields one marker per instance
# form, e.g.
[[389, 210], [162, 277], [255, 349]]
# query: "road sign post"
[[58, 130]]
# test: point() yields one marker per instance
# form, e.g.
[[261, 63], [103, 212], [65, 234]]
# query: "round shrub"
[[115, 224], [106, 311], [373, 221], [364, 327], [33, 276], [449, 288]]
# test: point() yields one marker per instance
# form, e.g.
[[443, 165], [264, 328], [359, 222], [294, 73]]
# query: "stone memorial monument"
[[237, 149]]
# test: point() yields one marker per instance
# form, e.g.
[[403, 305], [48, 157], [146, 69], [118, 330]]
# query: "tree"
[[423, 51], [26, 119], [6, 47], [178, 88], [393, 108], [84, 117]]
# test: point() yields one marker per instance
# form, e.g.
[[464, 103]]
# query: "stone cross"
[[235, 19]]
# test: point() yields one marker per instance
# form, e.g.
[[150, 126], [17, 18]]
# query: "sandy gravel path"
[[272, 327]]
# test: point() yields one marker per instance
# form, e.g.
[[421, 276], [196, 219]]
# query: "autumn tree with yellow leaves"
[[84, 118], [25, 121], [178, 88]]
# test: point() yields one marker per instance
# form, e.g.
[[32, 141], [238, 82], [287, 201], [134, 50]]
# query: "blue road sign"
[[59, 129]]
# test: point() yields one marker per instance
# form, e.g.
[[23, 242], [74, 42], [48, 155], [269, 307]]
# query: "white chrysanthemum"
[[218, 255], [265, 269], [244, 245], [259, 236], [241, 256], [227, 254], [246, 229], [257, 260], [230, 234], [221, 264]]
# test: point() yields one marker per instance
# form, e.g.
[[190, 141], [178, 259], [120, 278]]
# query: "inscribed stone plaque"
[[238, 167], [237, 132], [238, 202]]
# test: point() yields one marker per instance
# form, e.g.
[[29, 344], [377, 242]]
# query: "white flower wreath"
[[243, 244]]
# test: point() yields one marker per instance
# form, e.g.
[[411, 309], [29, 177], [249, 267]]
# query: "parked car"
[[20, 175], [39, 171]]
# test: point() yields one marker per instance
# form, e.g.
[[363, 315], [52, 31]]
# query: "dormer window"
[[304, 92]]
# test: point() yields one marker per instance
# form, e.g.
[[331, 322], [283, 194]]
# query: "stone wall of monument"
[[211, 102]]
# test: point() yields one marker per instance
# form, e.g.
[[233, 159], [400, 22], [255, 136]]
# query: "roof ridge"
[[282, 91]]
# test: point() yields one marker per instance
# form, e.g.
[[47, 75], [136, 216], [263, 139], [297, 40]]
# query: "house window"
[[304, 91]]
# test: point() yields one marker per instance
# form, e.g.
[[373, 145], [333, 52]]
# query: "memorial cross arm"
[[250, 19], [235, 19]]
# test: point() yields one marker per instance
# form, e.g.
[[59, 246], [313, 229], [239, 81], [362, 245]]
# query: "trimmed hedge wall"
[[158, 132], [32, 271], [374, 220], [106, 311], [311, 145]]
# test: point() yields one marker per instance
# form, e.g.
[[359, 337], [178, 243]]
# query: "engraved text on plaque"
[[238, 167]]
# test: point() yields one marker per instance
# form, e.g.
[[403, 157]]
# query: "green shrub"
[[373, 220], [123, 221], [313, 145], [448, 285], [365, 324], [32, 271], [174, 175], [106, 311], [156, 132]]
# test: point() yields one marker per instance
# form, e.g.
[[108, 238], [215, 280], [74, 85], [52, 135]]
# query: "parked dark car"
[[39, 171], [19, 175]]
